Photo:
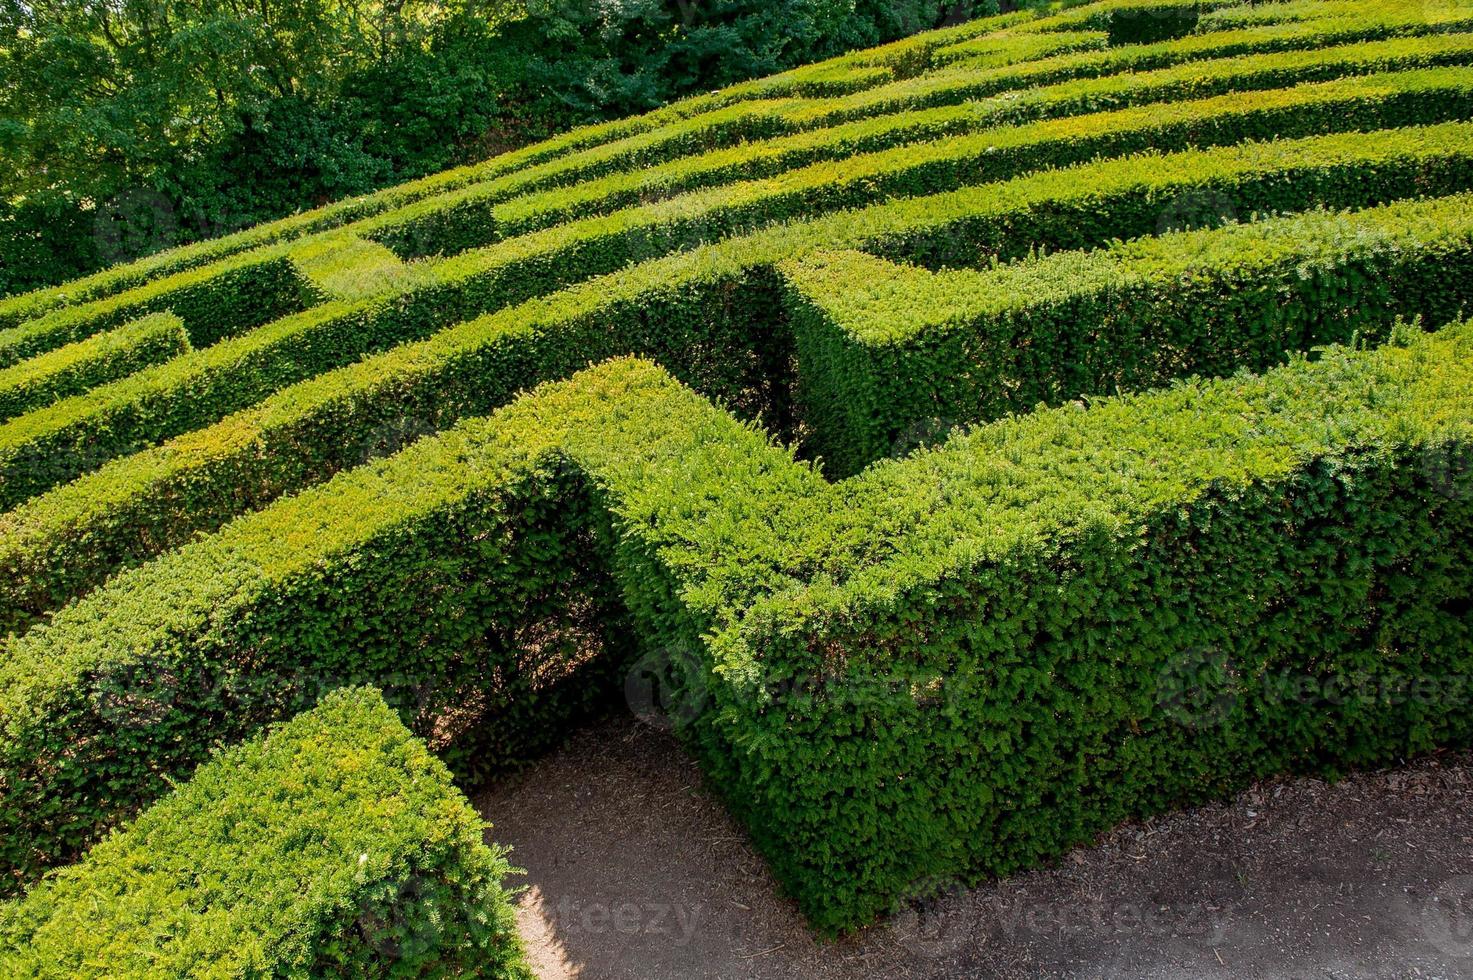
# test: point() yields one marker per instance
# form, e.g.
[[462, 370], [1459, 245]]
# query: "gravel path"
[[635, 872]]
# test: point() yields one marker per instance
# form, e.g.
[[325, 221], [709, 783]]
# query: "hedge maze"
[[976, 442]]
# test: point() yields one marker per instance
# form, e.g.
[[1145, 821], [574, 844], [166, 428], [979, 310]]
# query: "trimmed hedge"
[[44, 448], [88, 363], [729, 115], [214, 302], [892, 356], [454, 575], [106, 282], [482, 214], [714, 316], [1061, 621], [334, 845], [949, 666], [1358, 102]]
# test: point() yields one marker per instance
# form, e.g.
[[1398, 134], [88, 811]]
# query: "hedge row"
[[692, 125], [106, 282], [953, 665], [1378, 101], [50, 446], [714, 315], [334, 845], [213, 302], [891, 356], [961, 81], [483, 213], [1065, 620], [88, 363], [454, 575]]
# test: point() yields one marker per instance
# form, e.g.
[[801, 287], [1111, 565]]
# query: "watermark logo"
[[1197, 688], [1447, 919], [666, 688]]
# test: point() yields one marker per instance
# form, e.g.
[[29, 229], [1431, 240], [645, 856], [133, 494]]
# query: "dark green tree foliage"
[[134, 126]]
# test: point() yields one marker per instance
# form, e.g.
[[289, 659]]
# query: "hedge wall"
[[335, 845], [480, 215], [1061, 621], [892, 356], [752, 110], [214, 302], [950, 666], [1066, 208], [49, 377]]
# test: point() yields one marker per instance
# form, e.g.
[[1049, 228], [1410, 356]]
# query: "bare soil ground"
[[634, 871]]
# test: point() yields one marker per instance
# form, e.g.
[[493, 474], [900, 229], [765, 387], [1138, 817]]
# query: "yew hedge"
[[950, 666], [1068, 208], [335, 845]]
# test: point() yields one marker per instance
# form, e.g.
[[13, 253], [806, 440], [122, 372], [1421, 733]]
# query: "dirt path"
[[634, 872]]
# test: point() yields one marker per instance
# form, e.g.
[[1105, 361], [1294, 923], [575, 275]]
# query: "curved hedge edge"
[[681, 309], [86, 364], [876, 378], [335, 843]]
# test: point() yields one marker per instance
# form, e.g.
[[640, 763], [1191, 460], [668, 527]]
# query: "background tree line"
[[127, 126]]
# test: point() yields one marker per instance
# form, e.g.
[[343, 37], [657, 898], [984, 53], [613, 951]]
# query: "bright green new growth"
[[335, 844], [105, 357], [894, 356], [935, 586]]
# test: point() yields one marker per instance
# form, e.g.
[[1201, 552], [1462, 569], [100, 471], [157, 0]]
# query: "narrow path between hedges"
[[636, 872]]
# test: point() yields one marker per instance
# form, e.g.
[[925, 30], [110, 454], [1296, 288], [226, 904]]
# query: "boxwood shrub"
[[88, 363], [716, 317], [891, 356], [335, 845], [755, 110]]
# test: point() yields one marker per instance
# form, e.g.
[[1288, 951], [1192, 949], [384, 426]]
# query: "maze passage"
[[963, 436]]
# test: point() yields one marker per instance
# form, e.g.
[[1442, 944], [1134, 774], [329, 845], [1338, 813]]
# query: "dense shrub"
[[951, 664], [332, 846], [879, 669], [892, 356], [714, 317], [85, 364], [746, 110]]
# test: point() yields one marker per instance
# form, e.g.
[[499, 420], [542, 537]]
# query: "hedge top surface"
[[876, 301], [251, 864]]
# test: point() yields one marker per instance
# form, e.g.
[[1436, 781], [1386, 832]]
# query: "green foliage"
[[88, 363], [360, 467], [890, 357], [679, 310], [147, 124], [335, 845], [748, 110], [861, 650]]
